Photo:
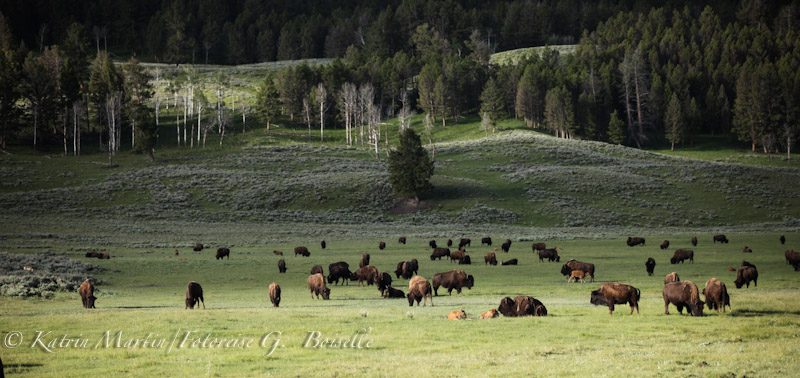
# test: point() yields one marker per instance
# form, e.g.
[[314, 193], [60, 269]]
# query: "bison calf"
[[576, 274], [457, 315], [393, 293], [616, 293], [489, 314]]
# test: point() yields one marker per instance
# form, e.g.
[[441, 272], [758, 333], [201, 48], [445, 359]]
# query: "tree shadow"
[[753, 313]]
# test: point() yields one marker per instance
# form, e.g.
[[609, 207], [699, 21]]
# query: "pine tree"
[[616, 129], [673, 122], [268, 100], [410, 168], [492, 102]]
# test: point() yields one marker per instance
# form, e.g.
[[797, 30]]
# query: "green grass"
[[722, 149], [514, 56]]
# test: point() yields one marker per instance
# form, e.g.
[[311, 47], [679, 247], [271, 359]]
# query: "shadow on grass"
[[753, 313], [139, 307]]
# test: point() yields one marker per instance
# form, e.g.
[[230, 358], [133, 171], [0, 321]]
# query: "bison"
[[490, 259], [302, 251], [87, 294], [506, 246], [538, 246], [275, 294], [577, 275], [194, 295], [716, 295], [664, 244], [278, 253], [364, 260], [368, 273], [393, 293], [382, 246], [281, 266], [413, 266], [650, 265], [522, 305], [406, 269], [487, 241], [384, 282], [317, 269], [419, 289], [464, 242], [794, 259], [432, 244], [549, 254], [316, 285], [489, 314], [635, 241], [747, 249], [339, 270], [449, 243], [465, 261], [93, 254], [681, 255], [783, 239], [198, 247], [454, 279], [616, 293], [457, 315], [457, 255], [438, 253], [672, 277], [744, 275], [106, 256], [222, 252], [694, 241], [571, 265], [720, 238], [509, 262], [322, 244], [683, 294], [789, 253], [402, 240]]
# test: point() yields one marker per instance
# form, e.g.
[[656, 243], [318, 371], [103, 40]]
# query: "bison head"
[[507, 307], [326, 293], [598, 299], [470, 282], [411, 297], [698, 308], [739, 282], [566, 270], [540, 311], [189, 303], [673, 260]]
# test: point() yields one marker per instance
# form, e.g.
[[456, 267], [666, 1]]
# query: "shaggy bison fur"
[[384, 282], [419, 289], [194, 295], [303, 251], [464, 242], [650, 265], [339, 270], [716, 295], [316, 285], [682, 254], [465, 261], [744, 275], [438, 253], [522, 305], [364, 260], [490, 259], [571, 265], [613, 293], [317, 269], [275, 294], [550, 254], [454, 279], [368, 274], [683, 294], [538, 246], [281, 266], [87, 294], [672, 277], [222, 252], [635, 241]]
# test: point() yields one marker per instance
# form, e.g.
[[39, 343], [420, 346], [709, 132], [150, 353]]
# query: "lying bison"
[[393, 293], [613, 293], [457, 315], [489, 314], [551, 254], [720, 238], [339, 270], [465, 261], [302, 251], [650, 265], [744, 275], [490, 259], [317, 269], [509, 262], [672, 277], [87, 294], [522, 305], [665, 244], [747, 249], [402, 240], [198, 247], [681, 255], [316, 285], [438, 253], [571, 265], [222, 252], [716, 295], [364, 260], [419, 289], [384, 282], [683, 294], [281, 266], [487, 241], [275, 294], [194, 295], [278, 253], [635, 241], [454, 279], [368, 274]]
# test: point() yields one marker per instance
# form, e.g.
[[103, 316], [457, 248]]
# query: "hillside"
[[513, 57]]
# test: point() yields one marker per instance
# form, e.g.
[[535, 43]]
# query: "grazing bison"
[[413, 266], [438, 253], [303, 251], [457, 255], [672, 277], [464, 242], [198, 247], [747, 249], [87, 294], [720, 238], [339, 270], [457, 315], [538, 246], [419, 289], [694, 241], [549, 254], [506, 246], [465, 261], [789, 253], [635, 241], [382, 246], [432, 244], [402, 240], [650, 265], [490, 259], [449, 243], [393, 293], [577, 275], [487, 241], [278, 253], [616, 293], [406, 269], [794, 260], [323, 244], [716, 295], [682, 254], [571, 265], [222, 252], [316, 285], [275, 294], [522, 305], [747, 263], [281, 266], [454, 279], [744, 275], [783, 240], [368, 273], [489, 314], [317, 269], [683, 294], [384, 282], [665, 244], [364, 260], [509, 262], [194, 295]]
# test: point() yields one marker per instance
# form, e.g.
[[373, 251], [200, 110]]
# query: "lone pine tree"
[[410, 168]]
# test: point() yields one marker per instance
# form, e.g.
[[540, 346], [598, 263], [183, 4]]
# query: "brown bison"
[[522, 305], [716, 295], [438, 253], [222, 252], [194, 295], [106, 256], [539, 246], [694, 241], [275, 294], [393, 293], [402, 240], [454, 279], [613, 293], [176, 252], [664, 244], [487, 241], [323, 244], [316, 285], [683, 294], [368, 274], [317, 269], [577, 275], [747, 249], [432, 244], [93, 254], [198, 247], [399, 271], [489, 314], [465, 261], [457, 255], [681, 255], [339, 270], [384, 282], [87, 294], [406, 269], [382, 246], [419, 289], [464, 242], [794, 259], [635, 241], [457, 315], [506, 246], [789, 253], [413, 266], [650, 265], [281, 266], [672, 277], [720, 238], [449, 243], [278, 253], [364, 260], [550, 254], [490, 259], [744, 275], [783, 240], [510, 262], [571, 265], [303, 251]]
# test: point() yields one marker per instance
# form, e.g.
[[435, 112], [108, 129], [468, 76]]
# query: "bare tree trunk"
[[35, 125], [66, 125]]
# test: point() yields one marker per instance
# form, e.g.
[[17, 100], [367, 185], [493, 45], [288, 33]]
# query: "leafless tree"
[[636, 94], [322, 96]]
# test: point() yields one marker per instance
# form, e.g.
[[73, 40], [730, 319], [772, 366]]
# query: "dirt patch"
[[409, 206]]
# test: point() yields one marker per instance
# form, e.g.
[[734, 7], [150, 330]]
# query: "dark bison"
[[457, 255], [635, 241], [364, 260], [716, 295], [94, 254], [490, 259], [222, 252], [720, 238], [538, 246], [747, 249], [650, 265], [106, 256], [438, 253], [393, 293], [399, 271], [384, 282], [194, 295], [281, 266], [789, 253], [465, 261], [672, 277], [464, 242], [87, 294], [339, 270], [613, 293], [454, 279], [665, 244], [198, 247], [449, 243], [551, 254], [682, 254], [683, 294], [522, 305], [794, 260], [402, 240], [694, 241], [432, 244], [571, 265], [744, 275], [275, 294], [413, 266], [506, 246], [783, 240], [317, 269], [487, 241], [316, 285], [419, 289], [382, 246], [510, 262], [303, 251], [323, 244], [406, 269], [368, 274]]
